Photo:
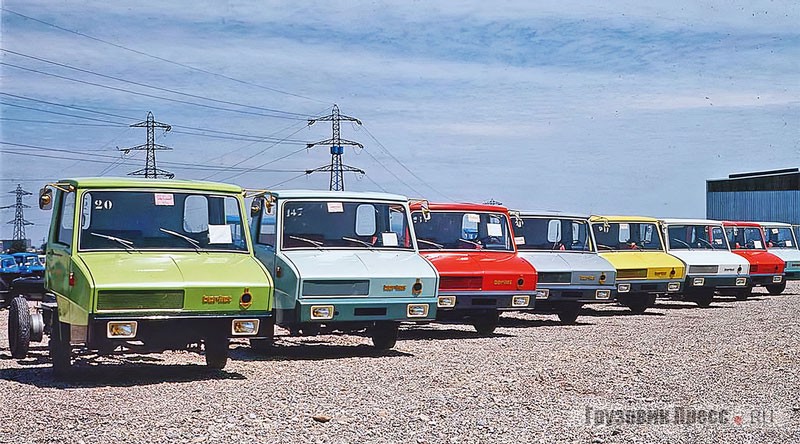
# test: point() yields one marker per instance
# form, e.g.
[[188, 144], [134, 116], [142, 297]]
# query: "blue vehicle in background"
[[9, 270], [29, 264]]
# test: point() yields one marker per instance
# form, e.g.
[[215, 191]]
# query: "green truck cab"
[[343, 261], [144, 265]]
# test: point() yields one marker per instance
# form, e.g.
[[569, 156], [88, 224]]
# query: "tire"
[[485, 325], [19, 328], [703, 298], [60, 349], [776, 289], [262, 345], [217, 351], [638, 303], [384, 335], [743, 293], [568, 313]]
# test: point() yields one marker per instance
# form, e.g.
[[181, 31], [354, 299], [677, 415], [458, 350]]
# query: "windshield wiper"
[[191, 241], [317, 244], [684, 243], [124, 242], [366, 244], [424, 241], [471, 242]]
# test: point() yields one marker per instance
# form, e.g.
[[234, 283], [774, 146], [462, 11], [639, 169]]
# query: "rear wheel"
[[486, 324], [19, 327], [384, 335], [776, 289], [568, 313], [217, 350]]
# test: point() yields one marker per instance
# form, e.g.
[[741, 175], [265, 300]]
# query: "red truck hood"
[[762, 261], [486, 271]]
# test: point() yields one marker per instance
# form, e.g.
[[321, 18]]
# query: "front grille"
[[703, 269], [370, 311], [460, 283], [632, 274], [336, 288], [554, 278], [793, 264], [108, 300]]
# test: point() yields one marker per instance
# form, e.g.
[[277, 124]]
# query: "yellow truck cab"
[[634, 247]]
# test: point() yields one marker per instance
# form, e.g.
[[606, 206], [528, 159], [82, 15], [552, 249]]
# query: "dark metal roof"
[[774, 180]]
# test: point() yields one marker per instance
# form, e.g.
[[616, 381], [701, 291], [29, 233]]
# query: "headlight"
[[741, 282], [321, 312], [624, 288], [777, 278], [698, 282], [446, 301], [121, 329], [673, 286], [244, 326], [602, 294], [417, 310], [542, 293], [520, 300]]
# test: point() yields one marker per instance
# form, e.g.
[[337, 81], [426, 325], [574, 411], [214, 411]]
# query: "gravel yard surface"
[[533, 381]]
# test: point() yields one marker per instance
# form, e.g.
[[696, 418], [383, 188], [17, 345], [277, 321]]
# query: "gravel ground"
[[533, 381]]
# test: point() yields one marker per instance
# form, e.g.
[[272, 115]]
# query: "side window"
[[267, 232], [195, 214], [66, 217]]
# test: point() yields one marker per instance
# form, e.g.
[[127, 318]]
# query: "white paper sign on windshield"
[[519, 240], [335, 207], [165, 199], [219, 234], [757, 244], [473, 218], [788, 243], [389, 239], [494, 229]]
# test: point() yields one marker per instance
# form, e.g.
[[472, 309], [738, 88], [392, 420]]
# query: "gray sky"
[[604, 107]]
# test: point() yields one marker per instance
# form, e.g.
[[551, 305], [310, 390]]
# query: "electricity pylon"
[[150, 171], [336, 167]]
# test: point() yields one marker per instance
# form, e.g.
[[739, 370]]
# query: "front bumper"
[[584, 294], [470, 303], [715, 281], [174, 330], [649, 286], [368, 309], [760, 280]]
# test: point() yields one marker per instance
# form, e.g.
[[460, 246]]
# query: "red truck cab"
[[747, 240], [472, 247]]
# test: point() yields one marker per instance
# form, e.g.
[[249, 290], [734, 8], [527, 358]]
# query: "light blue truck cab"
[[782, 242], [343, 261], [562, 249], [29, 264]]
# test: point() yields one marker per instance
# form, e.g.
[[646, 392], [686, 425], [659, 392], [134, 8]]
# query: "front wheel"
[[638, 303], [384, 335], [568, 314], [776, 289], [217, 350], [486, 324], [703, 298], [19, 327], [60, 348], [743, 293]]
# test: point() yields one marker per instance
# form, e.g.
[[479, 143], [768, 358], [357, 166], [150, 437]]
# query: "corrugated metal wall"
[[759, 206]]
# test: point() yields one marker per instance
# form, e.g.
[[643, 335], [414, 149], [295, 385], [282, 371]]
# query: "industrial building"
[[762, 196]]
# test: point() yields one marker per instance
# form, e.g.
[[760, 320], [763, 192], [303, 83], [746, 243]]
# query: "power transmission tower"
[[493, 202], [19, 218], [336, 168], [150, 171]]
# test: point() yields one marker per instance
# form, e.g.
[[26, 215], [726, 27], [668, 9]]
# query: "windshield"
[[338, 224], [745, 238], [32, 261], [457, 230], [633, 236], [160, 220], [538, 233], [780, 237], [696, 237]]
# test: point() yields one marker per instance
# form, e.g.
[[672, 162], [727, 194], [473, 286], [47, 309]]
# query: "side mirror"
[[45, 198], [255, 206]]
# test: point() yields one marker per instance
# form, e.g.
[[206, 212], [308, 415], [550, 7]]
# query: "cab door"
[[265, 235], [60, 245]]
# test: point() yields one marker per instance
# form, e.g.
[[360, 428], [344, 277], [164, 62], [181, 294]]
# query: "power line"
[[152, 96], [336, 167], [157, 88], [183, 65]]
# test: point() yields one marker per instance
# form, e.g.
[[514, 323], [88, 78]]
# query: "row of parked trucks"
[[149, 265]]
